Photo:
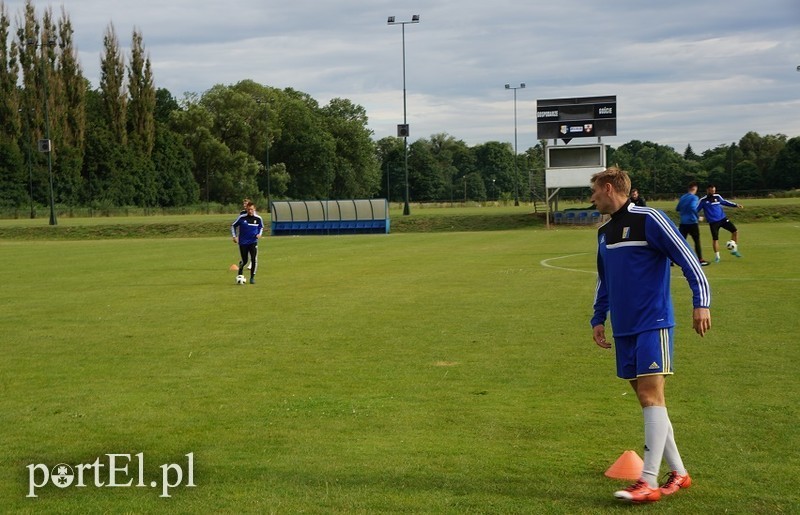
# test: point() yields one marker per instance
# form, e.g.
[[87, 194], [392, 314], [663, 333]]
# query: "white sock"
[[716, 254], [656, 428], [671, 454]]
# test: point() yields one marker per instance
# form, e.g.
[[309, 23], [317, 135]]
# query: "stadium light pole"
[[46, 145], [516, 173], [266, 132], [402, 130]]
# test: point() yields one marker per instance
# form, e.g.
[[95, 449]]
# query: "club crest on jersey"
[[626, 233]]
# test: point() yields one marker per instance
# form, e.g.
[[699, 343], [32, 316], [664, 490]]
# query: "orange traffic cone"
[[627, 466], [234, 267]]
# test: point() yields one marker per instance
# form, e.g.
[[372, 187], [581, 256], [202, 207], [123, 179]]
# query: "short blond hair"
[[617, 177]]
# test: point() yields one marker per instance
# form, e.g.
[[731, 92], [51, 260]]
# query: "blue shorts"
[[644, 354]]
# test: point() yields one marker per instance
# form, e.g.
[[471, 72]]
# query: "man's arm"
[[260, 227], [726, 202], [234, 225], [600, 307], [663, 235]]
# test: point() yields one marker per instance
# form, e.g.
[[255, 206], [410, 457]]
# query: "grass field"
[[404, 373]]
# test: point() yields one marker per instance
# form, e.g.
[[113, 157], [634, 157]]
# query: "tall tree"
[[12, 181], [9, 101], [357, 171], [389, 152], [70, 114], [785, 171], [761, 151], [112, 86], [426, 183], [165, 104], [173, 165], [142, 98], [304, 146], [689, 154], [495, 162]]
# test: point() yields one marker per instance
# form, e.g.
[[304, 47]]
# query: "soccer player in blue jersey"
[[687, 207], [635, 248], [246, 231], [245, 201], [712, 204]]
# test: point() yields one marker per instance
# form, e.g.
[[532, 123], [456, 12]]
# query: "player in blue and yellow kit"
[[249, 227], [712, 204], [635, 248]]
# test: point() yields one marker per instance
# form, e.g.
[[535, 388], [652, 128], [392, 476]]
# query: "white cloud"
[[685, 72]]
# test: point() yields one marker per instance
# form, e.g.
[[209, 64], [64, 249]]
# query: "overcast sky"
[[697, 72]]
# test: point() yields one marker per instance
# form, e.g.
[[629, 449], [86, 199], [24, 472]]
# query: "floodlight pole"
[[48, 148], [391, 21], [516, 172], [49, 151]]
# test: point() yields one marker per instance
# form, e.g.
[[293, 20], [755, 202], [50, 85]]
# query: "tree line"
[[129, 143]]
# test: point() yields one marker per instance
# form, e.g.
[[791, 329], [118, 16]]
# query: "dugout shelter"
[[326, 217]]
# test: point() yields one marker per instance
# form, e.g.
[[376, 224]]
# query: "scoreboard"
[[567, 118]]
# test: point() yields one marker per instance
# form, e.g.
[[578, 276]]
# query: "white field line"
[[546, 263]]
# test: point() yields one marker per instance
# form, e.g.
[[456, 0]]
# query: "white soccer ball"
[[731, 245], [240, 279]]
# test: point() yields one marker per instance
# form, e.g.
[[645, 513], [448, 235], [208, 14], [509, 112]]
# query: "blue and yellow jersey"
[[712, 205], [635, 248], [250, 227]]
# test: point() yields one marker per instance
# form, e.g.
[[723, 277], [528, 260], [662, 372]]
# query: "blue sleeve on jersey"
[[234, 225], [600, 296], [663, 235], [260, 226]]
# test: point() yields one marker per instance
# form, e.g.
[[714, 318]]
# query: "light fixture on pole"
[[402, 129], [266, 133], [516, 173], [46, 145]]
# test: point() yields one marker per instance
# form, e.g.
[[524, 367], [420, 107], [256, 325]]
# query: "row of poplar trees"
[[102, 141], [128, 143]]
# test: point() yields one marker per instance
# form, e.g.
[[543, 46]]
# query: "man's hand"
[[701, 320], [235, 239], [599, 335]]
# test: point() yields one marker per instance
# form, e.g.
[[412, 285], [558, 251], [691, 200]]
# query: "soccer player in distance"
[[687, 207], [635, 247], [246, 231], [244, 212], [712, 204]]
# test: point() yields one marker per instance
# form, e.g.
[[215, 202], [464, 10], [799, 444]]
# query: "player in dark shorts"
[[687, 208], [249, 227], [712, 204]]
